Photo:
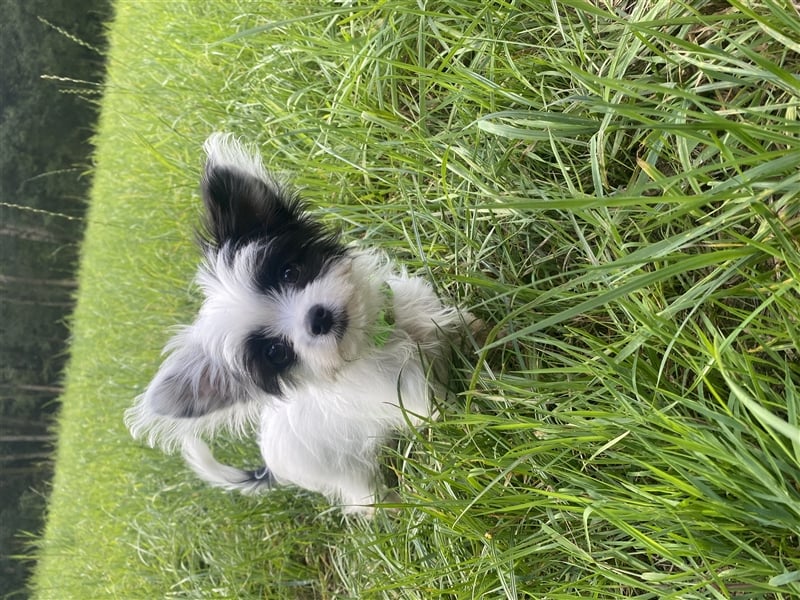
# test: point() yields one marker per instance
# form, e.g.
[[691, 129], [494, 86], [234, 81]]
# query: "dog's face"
[[284, 300]]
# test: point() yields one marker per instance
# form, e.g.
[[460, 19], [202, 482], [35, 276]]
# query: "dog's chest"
[[372, 395]]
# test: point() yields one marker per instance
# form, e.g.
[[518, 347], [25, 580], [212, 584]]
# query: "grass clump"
[[612, 186]]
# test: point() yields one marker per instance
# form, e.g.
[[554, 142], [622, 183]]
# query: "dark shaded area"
[[51, 68]]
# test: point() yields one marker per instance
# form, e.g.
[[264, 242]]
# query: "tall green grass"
[[612, 186]]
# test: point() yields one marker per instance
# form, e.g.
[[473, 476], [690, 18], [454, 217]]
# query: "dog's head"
[[284, 301]]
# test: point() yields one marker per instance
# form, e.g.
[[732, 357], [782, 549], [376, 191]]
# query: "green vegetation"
[[613, 186]]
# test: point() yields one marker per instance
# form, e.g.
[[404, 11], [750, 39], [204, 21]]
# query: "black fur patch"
[[241, 208], [268, 360]]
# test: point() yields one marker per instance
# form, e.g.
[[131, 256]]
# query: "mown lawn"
[[613, 186]]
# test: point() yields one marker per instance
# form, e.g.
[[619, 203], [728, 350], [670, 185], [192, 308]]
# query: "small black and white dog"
[[328, 348]]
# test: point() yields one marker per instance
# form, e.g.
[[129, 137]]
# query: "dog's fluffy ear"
[[191, 394], [190, 382], [243, 202]]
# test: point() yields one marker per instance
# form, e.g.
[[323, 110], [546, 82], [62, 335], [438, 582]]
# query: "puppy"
[[326, 348]]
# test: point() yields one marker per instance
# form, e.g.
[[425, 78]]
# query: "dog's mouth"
[[366, 332]]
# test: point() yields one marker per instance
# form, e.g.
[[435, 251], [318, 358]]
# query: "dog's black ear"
[[190, 383], [242, 201], [241, 208]]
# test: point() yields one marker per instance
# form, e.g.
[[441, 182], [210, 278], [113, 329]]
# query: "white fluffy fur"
[[347, 394]]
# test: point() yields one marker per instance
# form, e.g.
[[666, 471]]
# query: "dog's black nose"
[[320, 320]]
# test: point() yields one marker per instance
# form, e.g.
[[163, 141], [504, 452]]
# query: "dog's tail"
[[198, 456]]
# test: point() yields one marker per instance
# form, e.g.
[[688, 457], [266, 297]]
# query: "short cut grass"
[[612, 186]]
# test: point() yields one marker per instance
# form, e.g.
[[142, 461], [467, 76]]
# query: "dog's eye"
[[290, 274], [268, 360], [279, 354]]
